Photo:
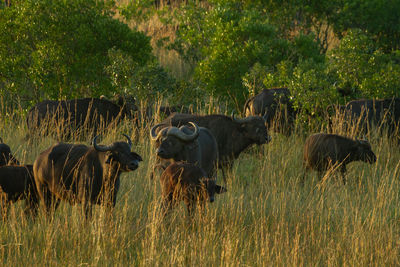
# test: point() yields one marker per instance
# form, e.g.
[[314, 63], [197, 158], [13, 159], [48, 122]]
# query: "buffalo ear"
[[220, 189], [136, 156]]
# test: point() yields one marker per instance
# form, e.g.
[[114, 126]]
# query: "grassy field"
[[265, 219]]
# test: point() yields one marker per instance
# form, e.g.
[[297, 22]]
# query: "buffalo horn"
[[183, 136], [129, 140], [101, 148], [153, 134], [240, 120]]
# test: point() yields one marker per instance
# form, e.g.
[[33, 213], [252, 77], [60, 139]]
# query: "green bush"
[[363, 69], [59, 49], [226, 41]]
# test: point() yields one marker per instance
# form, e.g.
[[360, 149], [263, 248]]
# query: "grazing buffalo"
[[85, 115], [81, 174], [197, 146], [17, 183], [323, 151], [275, 106], [382, 113], [187, 182], [6, 158], [233, 135]]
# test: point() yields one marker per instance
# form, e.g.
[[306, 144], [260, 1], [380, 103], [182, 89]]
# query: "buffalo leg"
[[31, 207], [50, 201], [5, 205], [87, 209], [191, 206], [343, 173], [114, 192], [167, 204]]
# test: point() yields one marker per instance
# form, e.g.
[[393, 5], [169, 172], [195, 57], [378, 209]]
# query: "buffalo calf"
[[16, 183], [322, 151], [187, 182]]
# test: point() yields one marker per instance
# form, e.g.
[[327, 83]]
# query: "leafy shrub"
[[363, 69], [58, 49], [228, 40]]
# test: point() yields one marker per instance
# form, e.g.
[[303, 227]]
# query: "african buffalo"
[[81, 174], [382, 113], [197, 146], [168, 110], [17, 183], [324, 151], [6, 158], [84, 115], [187, 182], [233, 135], [275, 106], [163, 111]]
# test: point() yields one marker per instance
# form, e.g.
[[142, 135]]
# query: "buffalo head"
[[5, 155], [128, 102], [254, 128], [119, 153], [171, 140], [363, 151], [212, 188]]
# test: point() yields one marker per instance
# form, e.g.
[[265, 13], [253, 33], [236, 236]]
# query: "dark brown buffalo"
[[324, 151], [168, 110], [6, 158], [84, 115], [182, 181], [195, 145], [81, 174], [382, 113], [163, 112], [275, 106], [17, 183], [233, 135]]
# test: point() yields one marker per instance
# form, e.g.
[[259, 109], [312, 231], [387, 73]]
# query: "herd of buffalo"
[[189, 148]]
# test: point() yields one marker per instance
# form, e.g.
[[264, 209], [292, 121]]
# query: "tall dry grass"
[[265, 219]]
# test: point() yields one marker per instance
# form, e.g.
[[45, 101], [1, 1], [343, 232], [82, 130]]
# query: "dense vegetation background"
[[216, 53], [323, 51]]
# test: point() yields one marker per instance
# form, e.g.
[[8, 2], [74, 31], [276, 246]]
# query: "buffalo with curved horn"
[[82, 174], [194, 144], [233, 135]]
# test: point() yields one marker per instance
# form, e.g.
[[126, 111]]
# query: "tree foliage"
[[59, 49], [323, 51], [228, 39]]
